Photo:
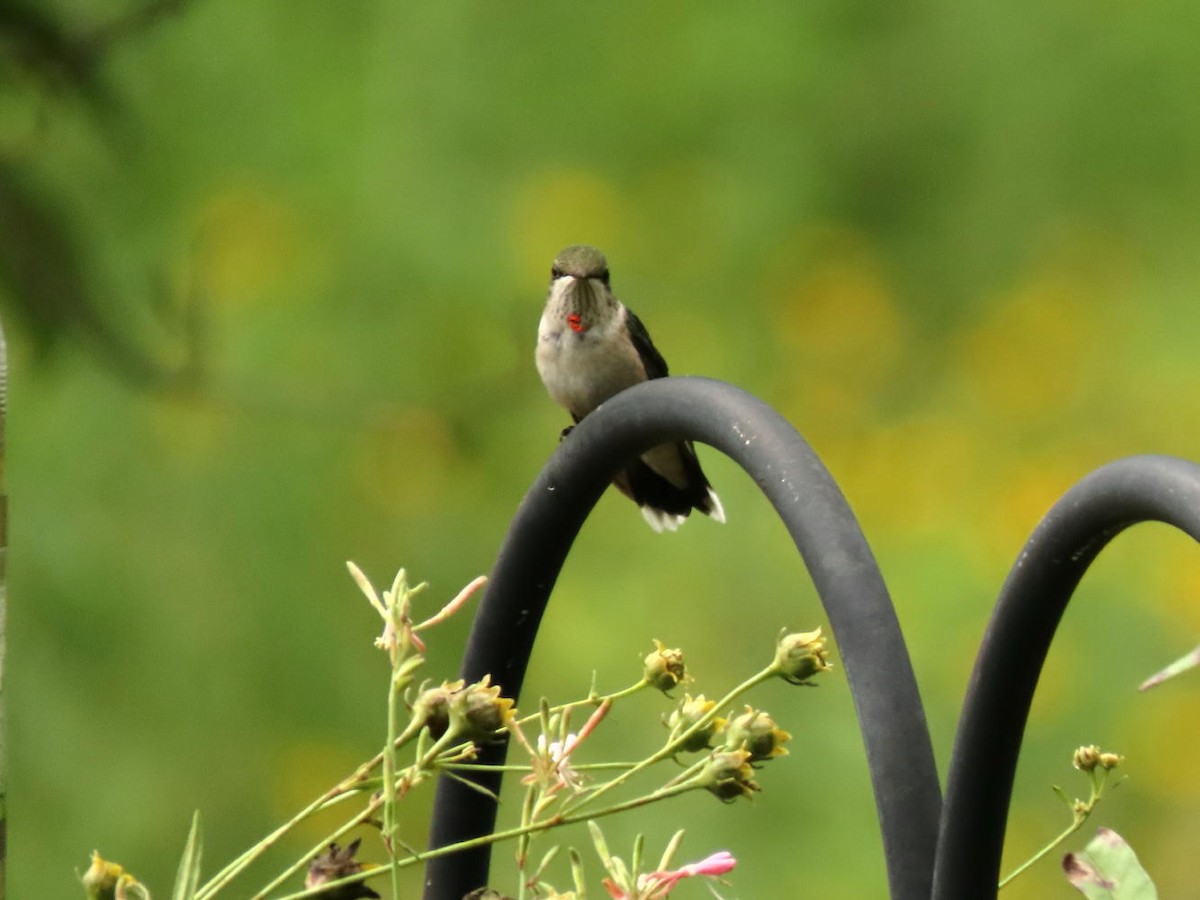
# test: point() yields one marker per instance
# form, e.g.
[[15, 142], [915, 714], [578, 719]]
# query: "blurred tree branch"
[[42, 264], [41, 270], [34, 39], [3, 610]]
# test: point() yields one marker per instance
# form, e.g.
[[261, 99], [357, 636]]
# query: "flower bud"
[[478, 712], [659, 884], [1110, 760], [728, 775], [1086, 758], [335, 864], [688, 713], [432, 707], [108, 881], [756, 732], [101, 879], [800, 655], [664, 668]]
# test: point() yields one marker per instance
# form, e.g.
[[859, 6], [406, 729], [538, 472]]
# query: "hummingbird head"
[[580, 261], [579, 290]]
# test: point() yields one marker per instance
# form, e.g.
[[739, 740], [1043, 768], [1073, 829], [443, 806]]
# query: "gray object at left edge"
[[870, 646]]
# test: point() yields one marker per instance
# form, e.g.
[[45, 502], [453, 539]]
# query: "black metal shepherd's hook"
[[1032, 601], [948, 855], [870, 645]]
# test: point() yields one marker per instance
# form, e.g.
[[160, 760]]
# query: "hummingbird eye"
[[603, 276], [555, 272]]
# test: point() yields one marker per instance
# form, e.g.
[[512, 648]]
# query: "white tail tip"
[[661, 521], [718, 511]]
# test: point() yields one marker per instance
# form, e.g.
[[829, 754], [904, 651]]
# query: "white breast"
[[582, 370]]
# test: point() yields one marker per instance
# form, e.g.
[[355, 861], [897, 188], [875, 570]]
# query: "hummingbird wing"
[[666, 482], [652, 361]]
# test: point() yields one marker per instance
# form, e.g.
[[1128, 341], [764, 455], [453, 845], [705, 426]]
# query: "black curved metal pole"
[[872, 650], [1031, 603]]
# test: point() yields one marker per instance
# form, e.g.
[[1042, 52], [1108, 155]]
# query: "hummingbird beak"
[[582, 292]]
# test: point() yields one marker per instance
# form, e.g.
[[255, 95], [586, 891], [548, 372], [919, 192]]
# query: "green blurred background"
[[272, 273]]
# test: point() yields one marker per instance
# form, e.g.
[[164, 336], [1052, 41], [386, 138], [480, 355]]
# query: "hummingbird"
[[591, 347]]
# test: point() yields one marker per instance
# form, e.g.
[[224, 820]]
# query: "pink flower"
[[662, 883]]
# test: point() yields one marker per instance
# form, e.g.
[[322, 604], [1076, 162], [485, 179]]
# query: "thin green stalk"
[[1070, 830], [672, 747], [590, 701], [524, 840], [336, 794], [525, 770], [426, 761], [313, 851], [689, 772], [390, 825], [238, 865], [1079, 815], [555, 821]]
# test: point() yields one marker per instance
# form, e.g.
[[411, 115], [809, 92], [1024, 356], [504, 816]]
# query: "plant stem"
[[238, 865], [313, 851], [672, 747], [555, 821], [525, 770], [1070, 830], [334, 794], [418, 768], [590, 701], [390, 825], [1079, 815]]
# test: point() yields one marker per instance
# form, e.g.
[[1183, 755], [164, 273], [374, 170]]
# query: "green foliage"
[[1108, 870], [187, 880], [1181, 665], [953, 242]]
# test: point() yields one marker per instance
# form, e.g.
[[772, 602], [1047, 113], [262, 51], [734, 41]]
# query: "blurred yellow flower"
[[836, 316], [1031, 354], [254, 246], [406, 463]]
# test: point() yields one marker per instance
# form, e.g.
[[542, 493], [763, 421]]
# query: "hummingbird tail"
[[715, 510], [667, 502], [661, 520]]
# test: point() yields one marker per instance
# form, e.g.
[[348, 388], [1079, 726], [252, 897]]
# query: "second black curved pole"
[[870, 645], [992, 725]]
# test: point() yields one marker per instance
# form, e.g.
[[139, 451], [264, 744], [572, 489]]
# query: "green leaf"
[[1190, 661], [635, 866], [1108, 870], [546, 860], [577, 874], [669, 853], [187, 879], [601, 845]]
